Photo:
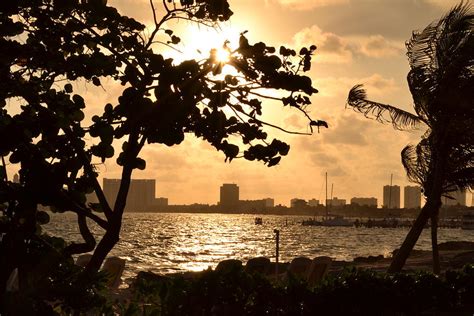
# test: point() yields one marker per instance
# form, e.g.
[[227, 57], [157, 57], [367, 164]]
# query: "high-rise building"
[[372, 202], [391, 196], [269, 202], [229, 196], [141, 194], [458, 197], [110, 188], [412, 197], [313, 202], [16, 178]]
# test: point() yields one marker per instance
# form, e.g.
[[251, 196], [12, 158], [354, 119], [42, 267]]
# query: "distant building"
[[364, 201], [253, 205], [229, 196], [269, 202], [141, 194], [16, 178], [412, 197], [161, 201], [313, 202], [298, 203], [336, 202], [391, 196], [457, 197], [110, 188]]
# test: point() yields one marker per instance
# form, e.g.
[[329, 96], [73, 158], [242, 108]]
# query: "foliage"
[[350, 292], [48, 47], [55, 285], [440, 80]]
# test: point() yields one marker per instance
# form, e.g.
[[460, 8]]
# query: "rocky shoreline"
[[453, 255]]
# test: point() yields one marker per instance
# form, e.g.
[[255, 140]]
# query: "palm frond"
[[441, 59], [410, 163], [383, 113]]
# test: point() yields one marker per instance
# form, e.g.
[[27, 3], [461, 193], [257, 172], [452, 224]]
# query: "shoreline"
[[453, 256]]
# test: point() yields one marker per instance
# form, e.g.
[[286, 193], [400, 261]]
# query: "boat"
[[467, 221], [311, 222], [258, 221], [336, 221], [329, 220]]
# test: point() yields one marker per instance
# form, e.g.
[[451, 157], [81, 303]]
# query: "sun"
[[200, 42], [222, 55]]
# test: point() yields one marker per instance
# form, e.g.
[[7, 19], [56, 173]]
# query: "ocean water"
[[170, 242]]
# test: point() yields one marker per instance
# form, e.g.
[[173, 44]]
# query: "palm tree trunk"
[[434, 243], [402, 254]]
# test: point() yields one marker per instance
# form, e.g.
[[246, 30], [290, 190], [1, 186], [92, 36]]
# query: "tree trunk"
[[434, 243], [431, 207], [106, 244], [112, 235], [402, 254], [89, 240]]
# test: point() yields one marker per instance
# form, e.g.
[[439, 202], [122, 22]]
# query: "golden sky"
[[359, 41]]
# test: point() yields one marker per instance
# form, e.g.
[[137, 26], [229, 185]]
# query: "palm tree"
[[441, 81]]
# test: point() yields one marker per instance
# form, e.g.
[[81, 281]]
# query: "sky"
[[359, 41]]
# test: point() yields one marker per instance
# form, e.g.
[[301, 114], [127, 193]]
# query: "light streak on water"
[[166, 242]]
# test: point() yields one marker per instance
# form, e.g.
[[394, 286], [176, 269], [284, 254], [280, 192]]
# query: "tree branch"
[[92, 175], [89, 240], [87, 213], [269, 124]]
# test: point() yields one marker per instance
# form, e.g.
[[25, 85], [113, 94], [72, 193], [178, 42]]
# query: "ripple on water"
[[165, 243]]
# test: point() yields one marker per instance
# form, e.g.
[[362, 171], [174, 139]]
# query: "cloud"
[[333, 48], [324, 159], [294, 121], [349, 129], [309, 4], [377, 46], [378, 84], [445, 4], [375, 84], [140, 10]]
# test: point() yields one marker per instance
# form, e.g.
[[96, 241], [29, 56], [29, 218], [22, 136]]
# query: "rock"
[[369, 259], [148, 276], [456, 245], [462, 259], [230, 265], [258, 265], [299, 266], [282, 267]]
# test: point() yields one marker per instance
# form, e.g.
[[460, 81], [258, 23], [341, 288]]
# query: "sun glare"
[[199, 42], [222, 55]]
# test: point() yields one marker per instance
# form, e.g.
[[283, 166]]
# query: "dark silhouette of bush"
[[351, 292]]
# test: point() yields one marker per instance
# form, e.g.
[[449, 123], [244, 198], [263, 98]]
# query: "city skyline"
[[229, 196]]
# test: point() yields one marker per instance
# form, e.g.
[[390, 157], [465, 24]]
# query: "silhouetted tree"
[[441, 81], [47, 45]]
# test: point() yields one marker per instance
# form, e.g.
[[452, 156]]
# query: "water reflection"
[[181, 242]]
